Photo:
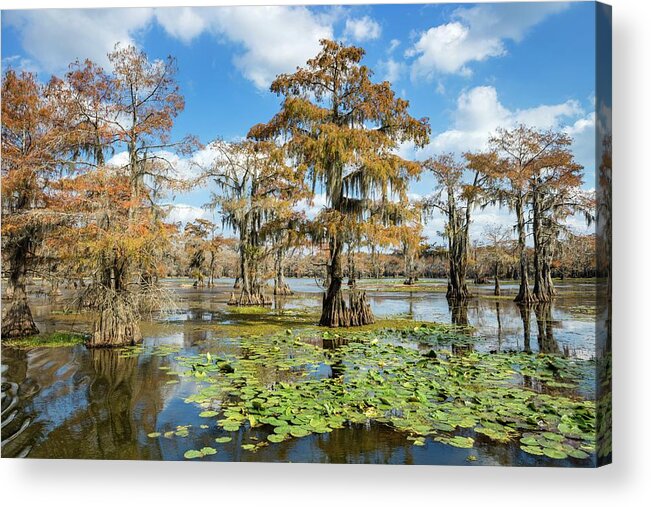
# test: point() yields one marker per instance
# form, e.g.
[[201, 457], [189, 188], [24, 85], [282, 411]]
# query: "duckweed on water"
[[56, 339], [292, 387]]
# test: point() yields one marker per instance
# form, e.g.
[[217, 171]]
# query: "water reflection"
[[459, 312], [525, 315], [546, 342], [566, 325]]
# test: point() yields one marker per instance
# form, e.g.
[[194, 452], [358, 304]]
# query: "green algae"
[[51, 340]]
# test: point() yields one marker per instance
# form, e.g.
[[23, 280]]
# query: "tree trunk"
[[457, 250], [524, 293], [280, 285], [17, 321], [457, 287], [211, 270], [335, 313], [117, 326], [497, 290], [409, 266], [252, 290], [544, 290], [352, 276]]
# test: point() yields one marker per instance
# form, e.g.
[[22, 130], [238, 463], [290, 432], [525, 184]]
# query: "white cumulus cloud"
[[185, 213], [56, 37], [474, 35], [272, 39], [269, 40], [479, 113], [362, 29]]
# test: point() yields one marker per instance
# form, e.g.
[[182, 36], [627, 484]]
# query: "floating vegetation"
[[436, 335], [56, 339], [290, 387], [249, 310], [205, 451]]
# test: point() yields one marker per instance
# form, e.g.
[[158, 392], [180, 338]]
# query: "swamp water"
[[189, 391]]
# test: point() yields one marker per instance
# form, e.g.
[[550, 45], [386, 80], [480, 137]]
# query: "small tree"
[[410, 238], [196, 245], [455, 199], [498, 244], [344, 129], [255, 189]]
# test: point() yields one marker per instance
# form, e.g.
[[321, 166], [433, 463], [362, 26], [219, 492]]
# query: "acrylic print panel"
[[335, 234]]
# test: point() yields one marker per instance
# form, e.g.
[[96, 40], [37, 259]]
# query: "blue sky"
[[468, 67]]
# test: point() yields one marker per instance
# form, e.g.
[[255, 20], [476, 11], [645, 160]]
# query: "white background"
[[626, 482]]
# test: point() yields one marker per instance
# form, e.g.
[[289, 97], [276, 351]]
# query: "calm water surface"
[[71, 402]]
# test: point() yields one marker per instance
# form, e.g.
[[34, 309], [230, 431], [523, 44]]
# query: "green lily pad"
[[529, 441], [298, 431], [208, 413], [554, 453], [192, 454], [153, 434], [579, 454], [282, 430], [223, 440], [275, 438], [420, 441], [532, 449]]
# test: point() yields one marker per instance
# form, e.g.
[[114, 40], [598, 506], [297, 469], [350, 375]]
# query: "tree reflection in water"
[[458, 312], [546, 342]]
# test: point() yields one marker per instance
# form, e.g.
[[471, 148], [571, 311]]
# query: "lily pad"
[[192, 454], [579, 454], [298, 431], [532, 449], [420, 441], [554, 453]]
